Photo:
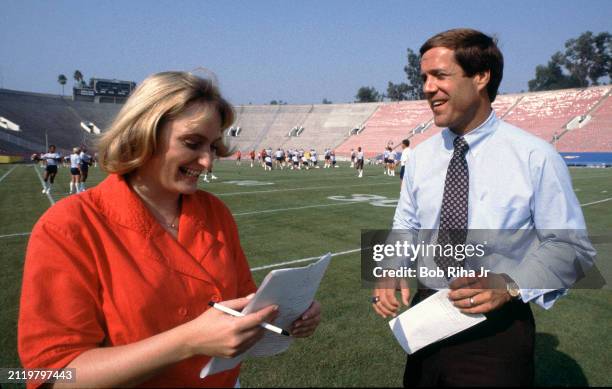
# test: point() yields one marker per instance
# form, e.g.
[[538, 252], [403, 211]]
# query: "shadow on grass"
[[554, 368]]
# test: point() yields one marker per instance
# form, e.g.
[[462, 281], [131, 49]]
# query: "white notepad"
[[293, 290], [431, 320]]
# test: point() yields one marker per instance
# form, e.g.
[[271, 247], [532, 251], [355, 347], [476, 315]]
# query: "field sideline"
[[295, 216]]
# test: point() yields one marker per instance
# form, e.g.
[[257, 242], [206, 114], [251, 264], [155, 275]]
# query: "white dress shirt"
[[405, 156], [516, 182]]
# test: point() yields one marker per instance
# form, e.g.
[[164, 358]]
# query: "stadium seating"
[[254, 121], [288, 116], [38, 115], [101, 115], [504, 104], [328, 125], [595, 136], [8, 148], [51, 118], [545, 114], [391, 122]]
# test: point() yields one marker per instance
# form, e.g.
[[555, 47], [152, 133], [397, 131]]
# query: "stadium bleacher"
[[328, 125], [391, 122], [595, 136], [38, 115], [43, 117], [101, 115], [287, 117], [545, 114], [9, 148], [504, 104], [254, 121]]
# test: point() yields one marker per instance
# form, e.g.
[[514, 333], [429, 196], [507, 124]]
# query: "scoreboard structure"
[[102, 90]]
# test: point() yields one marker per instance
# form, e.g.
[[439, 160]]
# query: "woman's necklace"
[[173, 224]]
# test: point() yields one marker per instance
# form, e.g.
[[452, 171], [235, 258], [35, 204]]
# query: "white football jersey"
[[75, 160], [51, 158]]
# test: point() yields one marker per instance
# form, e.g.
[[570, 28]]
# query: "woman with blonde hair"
[[137, 258]]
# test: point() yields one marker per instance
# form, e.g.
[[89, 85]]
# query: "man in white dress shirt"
[[482, 174], [404, 158]]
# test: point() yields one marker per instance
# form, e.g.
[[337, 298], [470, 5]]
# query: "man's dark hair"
[[475, 52], [406, 142]]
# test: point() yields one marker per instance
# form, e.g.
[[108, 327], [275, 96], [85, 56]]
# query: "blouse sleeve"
[[246, 285], [60, 314]]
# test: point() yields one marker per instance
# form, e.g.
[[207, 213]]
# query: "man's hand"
[[479, 294], [387, 304]]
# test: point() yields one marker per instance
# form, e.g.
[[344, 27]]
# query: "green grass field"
[[288, 215]]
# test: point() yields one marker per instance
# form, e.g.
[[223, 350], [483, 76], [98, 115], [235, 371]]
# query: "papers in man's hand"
[[431, 320], [293, 290]]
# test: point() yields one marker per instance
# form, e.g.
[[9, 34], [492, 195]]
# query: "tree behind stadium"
[[367, 94], [585, 61], [413, 90]]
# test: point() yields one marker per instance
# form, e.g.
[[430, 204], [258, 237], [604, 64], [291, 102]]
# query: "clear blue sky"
[[297, 51]]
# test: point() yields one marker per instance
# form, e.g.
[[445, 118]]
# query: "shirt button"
[[215, 299], [182, 311]]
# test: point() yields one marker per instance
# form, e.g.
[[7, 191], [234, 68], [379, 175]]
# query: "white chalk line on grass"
[[7, 173], [295, 208], [244, 213], [42, 183], [254, 269], [294, 189], [596, 202], [18, 234]]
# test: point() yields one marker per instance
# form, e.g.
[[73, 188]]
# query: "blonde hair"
[[132, 138]]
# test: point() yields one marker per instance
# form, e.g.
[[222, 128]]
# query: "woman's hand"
[[308, 322], [218, 334]]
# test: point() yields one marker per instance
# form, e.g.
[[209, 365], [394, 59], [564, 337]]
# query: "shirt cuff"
[[545, 298]]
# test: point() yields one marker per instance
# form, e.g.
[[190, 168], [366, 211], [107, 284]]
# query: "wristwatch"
[[512, 288]]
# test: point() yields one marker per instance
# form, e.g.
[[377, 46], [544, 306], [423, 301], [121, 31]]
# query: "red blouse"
[[101, 271]]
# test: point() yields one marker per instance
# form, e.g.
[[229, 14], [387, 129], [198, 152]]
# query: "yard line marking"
[[594, 177], [293, 189], [12, 235], [294, 208], [254, 269], [289, 209], [596, 202], [42, 182], [7, 173]]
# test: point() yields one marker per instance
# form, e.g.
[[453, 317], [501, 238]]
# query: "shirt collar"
[[118, 201], [475, 138]]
